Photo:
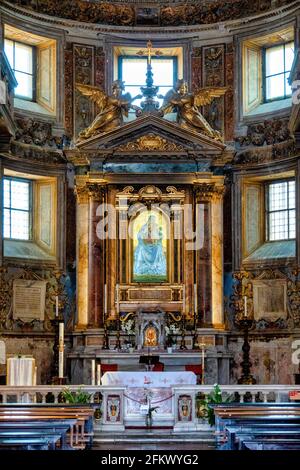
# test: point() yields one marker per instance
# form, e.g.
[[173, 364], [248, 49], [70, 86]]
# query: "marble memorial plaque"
[[269, 299], [29, 299]]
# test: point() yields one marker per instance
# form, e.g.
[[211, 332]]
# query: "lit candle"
[[245, 306], [98, 373], [93, 372], [56, 306], [61, 350]]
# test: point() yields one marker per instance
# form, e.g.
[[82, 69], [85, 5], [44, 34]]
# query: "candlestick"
[[61, 350], [245, 306], [56, 306], [93, 372], [183, 299], [98, 374]]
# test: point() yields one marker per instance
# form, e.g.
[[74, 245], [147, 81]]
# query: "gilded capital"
[[209, 192]]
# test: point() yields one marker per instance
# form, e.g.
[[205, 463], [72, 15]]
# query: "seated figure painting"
[[150, 248]]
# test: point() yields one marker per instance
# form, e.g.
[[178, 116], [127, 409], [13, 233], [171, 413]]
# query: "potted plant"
[[213, 398], [75, 397]]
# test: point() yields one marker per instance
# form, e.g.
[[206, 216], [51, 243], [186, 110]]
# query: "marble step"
[[144, 436]]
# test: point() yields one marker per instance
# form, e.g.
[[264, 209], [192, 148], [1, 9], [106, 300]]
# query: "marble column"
[[217, 258], [96, 257], [82, 224]]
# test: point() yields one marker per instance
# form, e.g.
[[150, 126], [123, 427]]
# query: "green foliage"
[[213, 398], [77, 397]]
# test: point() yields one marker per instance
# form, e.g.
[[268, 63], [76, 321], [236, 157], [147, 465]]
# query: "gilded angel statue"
[[111, 108], [187, 107]]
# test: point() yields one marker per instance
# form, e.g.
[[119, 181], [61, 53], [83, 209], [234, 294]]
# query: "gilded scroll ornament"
[[187, 106]]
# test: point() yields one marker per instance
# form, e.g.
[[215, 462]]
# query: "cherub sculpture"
[[187, 107], [111, 108]]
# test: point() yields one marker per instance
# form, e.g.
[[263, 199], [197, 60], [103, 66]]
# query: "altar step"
[[135, 439]]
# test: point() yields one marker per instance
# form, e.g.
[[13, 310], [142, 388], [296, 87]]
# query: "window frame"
[[30, 210], [268, 212], [145, 58], [34, 69], [265, 77]]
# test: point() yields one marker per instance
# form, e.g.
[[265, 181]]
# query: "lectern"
[[149, 361]]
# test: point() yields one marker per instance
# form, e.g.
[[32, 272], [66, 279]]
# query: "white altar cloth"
[[20, 371], [159, 384], [149, 379]]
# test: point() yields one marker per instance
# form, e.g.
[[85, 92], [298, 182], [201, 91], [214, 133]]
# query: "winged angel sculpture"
[[187, 107], [111, 108]]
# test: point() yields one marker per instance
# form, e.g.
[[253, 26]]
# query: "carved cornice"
[[150, 143], [209, 191]]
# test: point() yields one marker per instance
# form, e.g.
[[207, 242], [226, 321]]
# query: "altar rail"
[[185, 400], [39, 393]]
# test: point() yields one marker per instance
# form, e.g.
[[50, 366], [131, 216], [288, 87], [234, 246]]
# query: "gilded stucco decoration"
[[151, 142]]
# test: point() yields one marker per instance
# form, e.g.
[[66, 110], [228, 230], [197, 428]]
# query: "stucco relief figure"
[[150, 263], [112, 108], [187, 105]]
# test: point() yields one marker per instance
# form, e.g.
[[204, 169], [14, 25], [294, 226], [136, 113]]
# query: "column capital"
[[209, 191], [81, 193], [96, 191]]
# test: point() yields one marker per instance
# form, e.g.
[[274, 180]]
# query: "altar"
[[153, 389]]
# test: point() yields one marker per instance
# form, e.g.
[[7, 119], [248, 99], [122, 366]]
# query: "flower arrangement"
[[128, 327], [171, 330]]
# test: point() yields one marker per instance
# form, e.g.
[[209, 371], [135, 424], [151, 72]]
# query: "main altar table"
[[155, 385]]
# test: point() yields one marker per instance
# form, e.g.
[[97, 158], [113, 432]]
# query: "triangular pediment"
[[152, 134]]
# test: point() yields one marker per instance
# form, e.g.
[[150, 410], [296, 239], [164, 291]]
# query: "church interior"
[[150, 224]]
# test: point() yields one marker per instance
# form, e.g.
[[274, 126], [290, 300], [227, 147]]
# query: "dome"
[[151, 13]]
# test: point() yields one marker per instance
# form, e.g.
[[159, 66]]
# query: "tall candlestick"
[[93, 372], [98, 374], [56, 306], [183, 299], [61, 350], [245, 306]]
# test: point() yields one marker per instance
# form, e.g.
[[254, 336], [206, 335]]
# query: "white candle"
[[183, 299], [203, 363], [105, 299], [56, 306], [118, 301], [195, 298], [98, 374], [245, 306], [93, 372], [61, 350]]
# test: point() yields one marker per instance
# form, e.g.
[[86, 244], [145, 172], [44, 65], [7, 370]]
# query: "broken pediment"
[[150, 136]]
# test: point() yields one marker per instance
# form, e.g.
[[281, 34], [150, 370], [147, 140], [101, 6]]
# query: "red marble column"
[[96, 261]]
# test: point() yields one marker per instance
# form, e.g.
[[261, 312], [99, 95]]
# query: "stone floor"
[[143, 439]]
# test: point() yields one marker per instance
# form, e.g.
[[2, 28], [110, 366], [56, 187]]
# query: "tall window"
[[21, 59], [280, 210], [132, 70], [278, 64], [17, 208]]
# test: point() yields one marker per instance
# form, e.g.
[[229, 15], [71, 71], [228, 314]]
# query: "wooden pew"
[[77, 419], [267, 424]]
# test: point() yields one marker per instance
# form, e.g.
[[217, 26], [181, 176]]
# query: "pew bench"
[[240, 427], [77, 421]]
